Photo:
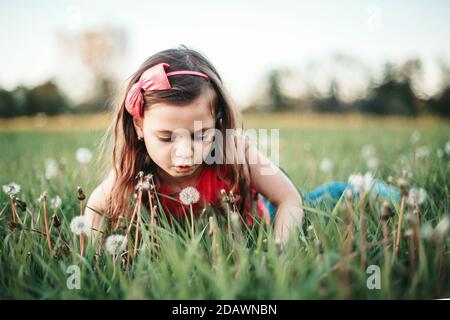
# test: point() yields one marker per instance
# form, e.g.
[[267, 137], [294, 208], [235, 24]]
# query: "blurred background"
[[376, 57]]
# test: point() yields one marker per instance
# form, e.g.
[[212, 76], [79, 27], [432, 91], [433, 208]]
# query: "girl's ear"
[[138, 125]]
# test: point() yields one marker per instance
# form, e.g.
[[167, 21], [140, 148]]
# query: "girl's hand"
[[288, 217]]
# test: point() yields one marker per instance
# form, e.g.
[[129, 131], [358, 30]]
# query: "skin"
[[170, 140]]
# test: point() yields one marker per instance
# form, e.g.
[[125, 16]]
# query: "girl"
[[157, 131]]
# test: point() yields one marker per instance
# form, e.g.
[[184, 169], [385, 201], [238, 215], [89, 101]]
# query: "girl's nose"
[[183, 149]]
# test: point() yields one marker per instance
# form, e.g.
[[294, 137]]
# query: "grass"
[[319, 261]]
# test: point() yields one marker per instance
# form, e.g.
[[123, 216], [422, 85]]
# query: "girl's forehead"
[[165, 116]]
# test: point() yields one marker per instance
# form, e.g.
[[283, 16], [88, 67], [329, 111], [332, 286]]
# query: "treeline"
[[48, 98], [394, 94]]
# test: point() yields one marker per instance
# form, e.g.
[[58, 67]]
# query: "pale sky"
[[243, 39]]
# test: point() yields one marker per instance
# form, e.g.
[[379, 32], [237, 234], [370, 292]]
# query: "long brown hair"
[[129, 155]]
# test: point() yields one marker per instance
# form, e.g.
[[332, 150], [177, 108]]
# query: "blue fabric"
[[332, 192]]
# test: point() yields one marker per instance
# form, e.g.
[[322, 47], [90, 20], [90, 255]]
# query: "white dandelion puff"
[[80, 225], [447, 147], [83, 155], [368, 151], [442, 228], [143, 185], [11, 188], [415, 136], [416, 195], [326, 165], [426, 231], [116, 244], [189, 195], [55, 202], [372, 163], [51, 169], [361, 183], [422, 152]]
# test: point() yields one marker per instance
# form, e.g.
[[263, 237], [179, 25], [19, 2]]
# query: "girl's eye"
[[164, 139]]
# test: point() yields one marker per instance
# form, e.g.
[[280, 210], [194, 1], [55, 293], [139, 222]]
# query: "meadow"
[[337, 254]]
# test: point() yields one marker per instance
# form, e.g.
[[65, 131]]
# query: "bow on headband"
[[154, 78]]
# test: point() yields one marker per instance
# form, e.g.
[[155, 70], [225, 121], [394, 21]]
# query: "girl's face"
[[178, 138]]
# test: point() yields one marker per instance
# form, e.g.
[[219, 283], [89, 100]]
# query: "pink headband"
[[154, 78]]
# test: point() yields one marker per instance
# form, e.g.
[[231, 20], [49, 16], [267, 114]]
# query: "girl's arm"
[[97, 201], [272, 183]]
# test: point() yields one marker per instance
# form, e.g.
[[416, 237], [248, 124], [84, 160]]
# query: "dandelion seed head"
[[416, 136], [361, 183], [416, 195], [368, 151], [372, 163], [442, 228], [326, 165], [55, 202], [447, 147], [80, 225], [83, 155], [426, 231], [189, 195], [51, 169], [11, 188], [422, 152], [116, 244]]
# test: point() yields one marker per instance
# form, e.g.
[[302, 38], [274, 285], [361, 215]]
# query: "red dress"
[[209, 186]]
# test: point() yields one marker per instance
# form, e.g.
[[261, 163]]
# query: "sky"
[[243, 39]]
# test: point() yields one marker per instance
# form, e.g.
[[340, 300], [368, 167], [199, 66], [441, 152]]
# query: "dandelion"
[[427, 231], [55, 202], [422, 152], [189, 195], [83, 155], [361, 183], [143, 185], [416, 196], [116, 244], [415, 136], [447, 148], [368, 151], [11, 188], [372, 163], [80, 225], [442, 228], [51, 169], [326, 165]]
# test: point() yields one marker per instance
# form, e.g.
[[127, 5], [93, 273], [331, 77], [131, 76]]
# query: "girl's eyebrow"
[[170, 132]]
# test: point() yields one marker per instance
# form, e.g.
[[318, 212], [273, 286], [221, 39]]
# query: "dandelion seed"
[[116, 244], [368, 151], [143, 185], [80, 225], [41, 197], [55, 202], [361, 183], [83, 155], [426, 231], [189, 195], [372, 163], [442, 228], [416, 195], [415, 136], [326, 165], [51, 169], [11, 188], [422, 152], [447, 147]]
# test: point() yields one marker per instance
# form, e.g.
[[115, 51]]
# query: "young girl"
[[156, 130]]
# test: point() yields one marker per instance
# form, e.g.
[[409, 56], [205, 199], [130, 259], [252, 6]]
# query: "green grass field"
[[319, 262]]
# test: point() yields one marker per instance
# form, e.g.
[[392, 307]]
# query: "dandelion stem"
[[399, 227], [47, 233]]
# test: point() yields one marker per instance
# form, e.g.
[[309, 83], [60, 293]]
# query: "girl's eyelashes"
[[165, 139], [194, 137]]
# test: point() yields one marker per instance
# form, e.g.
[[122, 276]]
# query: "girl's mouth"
[[183, 168]]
